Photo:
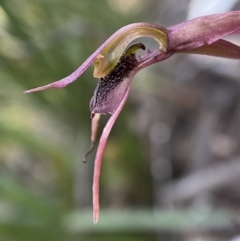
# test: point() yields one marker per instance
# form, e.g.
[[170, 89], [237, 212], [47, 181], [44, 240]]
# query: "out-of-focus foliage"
[[174, 147]]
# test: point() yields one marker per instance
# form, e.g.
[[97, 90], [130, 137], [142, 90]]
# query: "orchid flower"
[[115, 64]]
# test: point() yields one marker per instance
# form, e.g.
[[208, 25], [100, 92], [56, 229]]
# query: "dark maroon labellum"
[[106, 98]]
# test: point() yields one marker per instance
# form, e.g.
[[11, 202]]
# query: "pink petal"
[[70, 78]]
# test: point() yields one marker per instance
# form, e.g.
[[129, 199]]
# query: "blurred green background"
[[171, 169]]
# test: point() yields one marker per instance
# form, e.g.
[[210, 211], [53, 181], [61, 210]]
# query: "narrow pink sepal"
[[99, 157], [203, 30], [220, 48]]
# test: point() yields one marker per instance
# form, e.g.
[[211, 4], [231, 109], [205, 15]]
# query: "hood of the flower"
[[117, 44]]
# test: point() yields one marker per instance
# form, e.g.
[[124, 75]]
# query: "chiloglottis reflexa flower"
[[115, 64]]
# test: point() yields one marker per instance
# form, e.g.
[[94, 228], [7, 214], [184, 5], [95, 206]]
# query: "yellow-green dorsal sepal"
[[118, 42]]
